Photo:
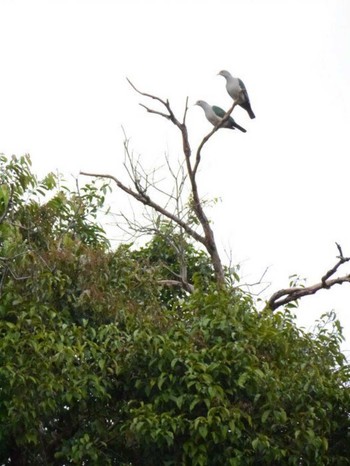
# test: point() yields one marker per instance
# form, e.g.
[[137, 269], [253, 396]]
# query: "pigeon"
[[237, 90], [215, 114]]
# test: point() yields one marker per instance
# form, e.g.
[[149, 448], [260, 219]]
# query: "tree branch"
[[165, 103], [146, 200], [287, 295], [185, 112], [156, 112], [209, 135], [332, 271], [185, 285]]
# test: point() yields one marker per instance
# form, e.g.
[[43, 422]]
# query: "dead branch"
[[259, 282], [170, 115], [187, 286], [209, 135], [332, 271], [287, 295], [185, 112], [156, 112], [147, 201]]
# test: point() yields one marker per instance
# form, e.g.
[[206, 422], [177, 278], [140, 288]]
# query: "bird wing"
[[230, 122], [243, 89], [241, 85], [221, 113], [218, 111]]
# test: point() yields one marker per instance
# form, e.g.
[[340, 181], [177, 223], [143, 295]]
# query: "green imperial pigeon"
[[236, 88], [215, 114]]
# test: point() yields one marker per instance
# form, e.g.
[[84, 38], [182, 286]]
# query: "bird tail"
[[240, 128], [250, 112], [248, 108]]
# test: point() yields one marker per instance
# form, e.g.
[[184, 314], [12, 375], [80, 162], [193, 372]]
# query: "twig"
[[145, 94], [185, 112], [156, 112], [259, 282], [165, 103]]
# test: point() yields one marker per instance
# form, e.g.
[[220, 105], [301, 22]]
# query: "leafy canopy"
[[100, 365]]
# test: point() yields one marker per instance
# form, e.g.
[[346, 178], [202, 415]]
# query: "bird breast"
[[213, 118], [233, 88]]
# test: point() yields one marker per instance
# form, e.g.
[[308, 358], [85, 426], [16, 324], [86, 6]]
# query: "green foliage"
[[98, 365], [169, 253]]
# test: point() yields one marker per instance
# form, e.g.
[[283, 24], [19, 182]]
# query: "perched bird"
[[236, 88], [215, 114]]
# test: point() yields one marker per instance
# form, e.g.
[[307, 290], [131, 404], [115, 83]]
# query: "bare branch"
[[156, 112], [259, 282], [287, 295], [165, 103], [332, 271], [209, 243], [185, 112], [146, 200], [209, 135], [340, 250], [186, 286], [147, 95]]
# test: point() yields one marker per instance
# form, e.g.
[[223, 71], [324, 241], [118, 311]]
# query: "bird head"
[[224, 73], [200, 103]]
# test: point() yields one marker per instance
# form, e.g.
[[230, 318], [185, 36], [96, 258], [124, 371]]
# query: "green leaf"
[[203, 431], [265, 415]]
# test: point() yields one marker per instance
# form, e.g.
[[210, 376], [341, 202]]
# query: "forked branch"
[[288, 295], [170, 115]]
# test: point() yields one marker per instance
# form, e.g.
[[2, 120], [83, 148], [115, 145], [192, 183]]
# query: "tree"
[[186, 220], [98, 365], [206, 238]]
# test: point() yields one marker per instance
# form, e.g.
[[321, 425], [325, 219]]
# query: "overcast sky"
[[284, 185]]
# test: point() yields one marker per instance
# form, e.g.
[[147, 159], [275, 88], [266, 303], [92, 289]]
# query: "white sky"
[[284, 184]]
